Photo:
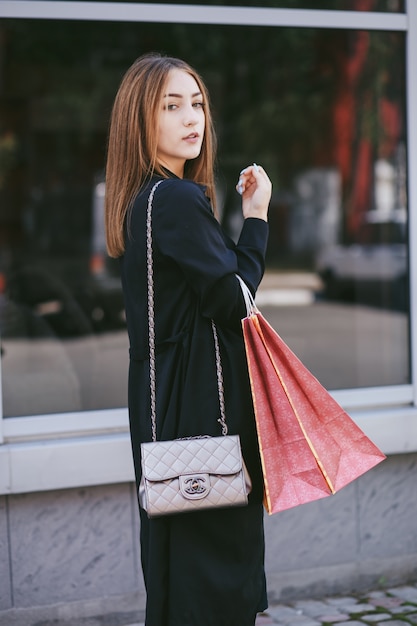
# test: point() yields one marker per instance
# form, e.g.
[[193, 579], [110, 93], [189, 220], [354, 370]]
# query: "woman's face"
[[181, 122]]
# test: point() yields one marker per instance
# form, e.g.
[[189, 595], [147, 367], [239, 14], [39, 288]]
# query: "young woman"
[[202, 568]]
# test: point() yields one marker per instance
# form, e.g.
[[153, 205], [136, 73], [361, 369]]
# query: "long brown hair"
[[133, 141]]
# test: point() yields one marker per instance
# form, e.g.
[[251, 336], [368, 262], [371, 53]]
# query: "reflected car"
[[373, 269], [64, 291]]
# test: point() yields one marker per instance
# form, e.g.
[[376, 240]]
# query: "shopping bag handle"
[[251, 307]]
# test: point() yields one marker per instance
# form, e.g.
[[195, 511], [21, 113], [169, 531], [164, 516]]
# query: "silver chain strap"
[[220, 387], [151, 322], [151, 309]]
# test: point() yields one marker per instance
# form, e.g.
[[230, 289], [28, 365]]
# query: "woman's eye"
[[172, 107], [198, 105]]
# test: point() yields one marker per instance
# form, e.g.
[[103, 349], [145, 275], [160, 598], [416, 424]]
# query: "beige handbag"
[[193, 473]]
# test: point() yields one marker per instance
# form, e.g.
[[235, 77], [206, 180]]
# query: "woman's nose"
[[191, 117]]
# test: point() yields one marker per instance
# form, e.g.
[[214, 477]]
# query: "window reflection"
[[389, 6], [322, 110]]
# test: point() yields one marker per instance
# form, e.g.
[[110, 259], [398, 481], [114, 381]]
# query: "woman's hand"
[[255, 188]]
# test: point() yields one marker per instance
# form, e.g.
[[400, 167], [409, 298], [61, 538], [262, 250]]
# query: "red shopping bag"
[[310, 448]]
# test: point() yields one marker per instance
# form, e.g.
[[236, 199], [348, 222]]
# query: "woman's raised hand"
[[255, 188]]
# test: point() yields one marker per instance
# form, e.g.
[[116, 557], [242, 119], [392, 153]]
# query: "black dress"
[[202, 568]]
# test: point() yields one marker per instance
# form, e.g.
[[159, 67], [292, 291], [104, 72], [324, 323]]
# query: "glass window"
[[383, 6], [322, 110]]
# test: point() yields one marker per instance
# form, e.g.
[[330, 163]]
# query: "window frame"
[[93, 447]]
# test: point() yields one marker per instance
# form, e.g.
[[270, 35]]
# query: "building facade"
[[322, 94]]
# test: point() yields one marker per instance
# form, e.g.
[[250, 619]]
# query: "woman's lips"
[[192, 138]]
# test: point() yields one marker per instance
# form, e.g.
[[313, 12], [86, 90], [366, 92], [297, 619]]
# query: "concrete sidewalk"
[[391, 607]]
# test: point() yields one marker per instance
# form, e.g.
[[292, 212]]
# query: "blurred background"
[[322, 110]]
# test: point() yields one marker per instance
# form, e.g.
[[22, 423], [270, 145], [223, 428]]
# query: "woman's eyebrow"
[[178, 95]]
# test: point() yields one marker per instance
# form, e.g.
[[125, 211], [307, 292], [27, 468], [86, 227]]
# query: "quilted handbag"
[[192, 473], [189, 474]]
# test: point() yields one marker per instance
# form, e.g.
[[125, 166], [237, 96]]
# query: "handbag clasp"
[[195, 486]]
